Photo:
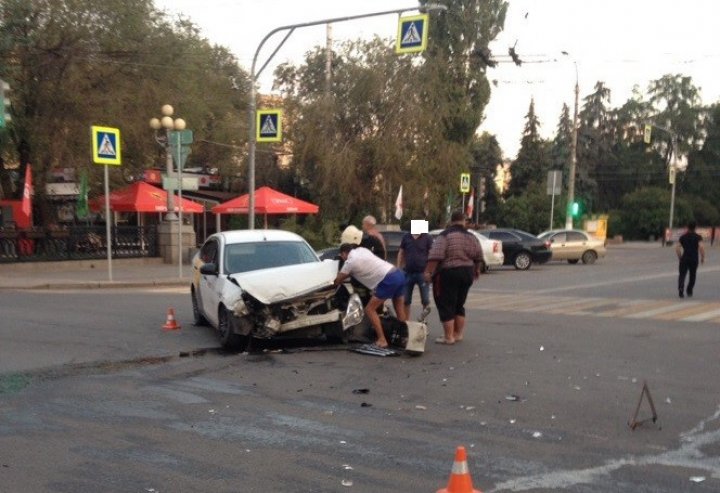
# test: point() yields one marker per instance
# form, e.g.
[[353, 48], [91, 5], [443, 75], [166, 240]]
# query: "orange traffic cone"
[[171, 323], [460, 480]]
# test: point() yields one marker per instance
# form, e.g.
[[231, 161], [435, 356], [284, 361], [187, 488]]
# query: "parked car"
[[392, 247], [521, 249], [493, 255], [574, 245], [266, 284]]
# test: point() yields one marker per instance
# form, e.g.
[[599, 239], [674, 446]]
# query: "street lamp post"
[[168, 124], [573, 152], [255, 75]]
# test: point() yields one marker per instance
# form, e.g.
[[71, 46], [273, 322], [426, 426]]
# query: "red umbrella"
[[142, 197], [267, 201]]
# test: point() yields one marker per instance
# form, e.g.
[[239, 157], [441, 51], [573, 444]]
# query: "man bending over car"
[[385, 281]]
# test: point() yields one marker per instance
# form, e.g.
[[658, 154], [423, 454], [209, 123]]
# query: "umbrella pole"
[[266, 221], [217, 222]]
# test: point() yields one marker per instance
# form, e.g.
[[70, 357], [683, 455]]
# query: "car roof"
[[256, 235], [553, 231], [436, 232]]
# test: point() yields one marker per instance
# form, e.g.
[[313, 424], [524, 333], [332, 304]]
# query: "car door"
[[576, 244], [209, 296], [558, 245]]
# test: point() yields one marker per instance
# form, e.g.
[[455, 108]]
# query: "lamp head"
[[180, 124], [167, 110], [155, 124], [167, 122]]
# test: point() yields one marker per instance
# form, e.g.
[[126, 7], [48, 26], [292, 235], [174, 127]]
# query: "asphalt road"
[[95, 397]]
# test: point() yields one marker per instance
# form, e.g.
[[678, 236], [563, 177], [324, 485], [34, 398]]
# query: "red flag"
[[27, 193], [470, 204]]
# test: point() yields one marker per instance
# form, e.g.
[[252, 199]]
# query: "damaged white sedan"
[[269, 284]]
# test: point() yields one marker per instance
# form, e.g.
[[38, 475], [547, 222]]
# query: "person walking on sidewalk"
[[413, 258], [689, 249], [453, 263]]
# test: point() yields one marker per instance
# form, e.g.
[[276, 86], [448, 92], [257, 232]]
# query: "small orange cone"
[[460, 480], [171, 323]]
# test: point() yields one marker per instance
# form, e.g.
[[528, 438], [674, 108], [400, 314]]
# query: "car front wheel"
[[589, 257], [522, 261], [573, 260], [230, 340]]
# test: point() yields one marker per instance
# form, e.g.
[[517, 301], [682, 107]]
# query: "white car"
[[492, 249], [268, 283]]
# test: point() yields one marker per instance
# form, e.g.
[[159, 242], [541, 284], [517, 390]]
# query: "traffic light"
[[5, 112], [575, 209]]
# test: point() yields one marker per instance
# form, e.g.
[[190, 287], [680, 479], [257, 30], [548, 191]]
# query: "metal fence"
[[77, 243]]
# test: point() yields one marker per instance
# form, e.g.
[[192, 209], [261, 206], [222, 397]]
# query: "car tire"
[[522, 261], [589, 257], [228, 339], [198, 318], [573, 260], [483, 267]]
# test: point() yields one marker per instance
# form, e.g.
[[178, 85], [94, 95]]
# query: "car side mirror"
[[209, 269]]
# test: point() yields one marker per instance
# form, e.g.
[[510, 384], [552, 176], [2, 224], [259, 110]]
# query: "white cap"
[[351, 235]]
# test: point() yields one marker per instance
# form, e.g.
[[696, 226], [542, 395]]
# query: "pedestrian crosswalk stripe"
[[668, 309]]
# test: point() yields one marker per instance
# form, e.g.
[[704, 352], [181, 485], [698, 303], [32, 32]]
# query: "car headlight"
[[354, 312]]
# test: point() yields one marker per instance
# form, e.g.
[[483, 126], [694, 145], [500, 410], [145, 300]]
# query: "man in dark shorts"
[[453, 263], [689, 249], [385, 281]]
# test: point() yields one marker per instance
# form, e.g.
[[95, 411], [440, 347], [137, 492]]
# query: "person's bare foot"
[[382, 344], [458, 337]]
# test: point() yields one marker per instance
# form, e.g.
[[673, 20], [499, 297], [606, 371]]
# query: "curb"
[[99, 285]]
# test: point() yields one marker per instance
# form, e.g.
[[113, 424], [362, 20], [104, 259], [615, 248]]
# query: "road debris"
[[361, 391], [421, 407], [365, 404], [542, 348], [346, 482], [512, 397], [537, 434], [697, 479]]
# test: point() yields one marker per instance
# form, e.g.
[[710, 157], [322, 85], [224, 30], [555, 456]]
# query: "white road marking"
[[689, 455], [663, 309]]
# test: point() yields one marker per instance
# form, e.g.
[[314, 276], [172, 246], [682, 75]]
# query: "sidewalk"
[[93, 274]]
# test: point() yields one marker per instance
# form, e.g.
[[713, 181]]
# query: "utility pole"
[[328, 59], [573, 157]]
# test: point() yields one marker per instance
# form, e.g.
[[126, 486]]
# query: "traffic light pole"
[[254, 76], [573, 158]]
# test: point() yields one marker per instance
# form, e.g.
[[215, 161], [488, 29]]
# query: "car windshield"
[[244, 257]]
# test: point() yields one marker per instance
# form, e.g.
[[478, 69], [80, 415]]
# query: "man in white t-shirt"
[[385, 281]]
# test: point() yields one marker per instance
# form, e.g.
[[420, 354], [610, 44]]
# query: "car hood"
[[278, 284]]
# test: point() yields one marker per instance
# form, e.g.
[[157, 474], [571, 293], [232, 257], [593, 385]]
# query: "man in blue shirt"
[[413, 258]]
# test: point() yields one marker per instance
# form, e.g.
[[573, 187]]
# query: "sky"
[[624, 43]]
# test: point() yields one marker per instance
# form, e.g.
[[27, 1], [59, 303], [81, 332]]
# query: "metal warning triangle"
[[106, 146], [412, 36], [645, 392], [268, 127]]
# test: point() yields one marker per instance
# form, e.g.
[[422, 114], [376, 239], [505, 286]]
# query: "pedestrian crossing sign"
[[412, 34], [269, 126], [106, 145]]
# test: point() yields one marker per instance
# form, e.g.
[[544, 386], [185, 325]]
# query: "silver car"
[[574, 245], [492, 249], [268, 284]]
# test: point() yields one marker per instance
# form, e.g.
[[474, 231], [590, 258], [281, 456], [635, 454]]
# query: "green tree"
[[77, 63], [594, 150], [533, 160], [645, 213], [529, 211], [487, 155]]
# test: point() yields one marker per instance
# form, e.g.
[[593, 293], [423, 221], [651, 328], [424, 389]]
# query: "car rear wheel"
[[573, 260], [198, 318], [589, 257], [230, 340], [522, 261]]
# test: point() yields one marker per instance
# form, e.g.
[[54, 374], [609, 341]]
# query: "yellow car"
[[574, 245]]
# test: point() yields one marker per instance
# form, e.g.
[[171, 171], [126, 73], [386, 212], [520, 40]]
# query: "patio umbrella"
[[267, 201], [143, 197]]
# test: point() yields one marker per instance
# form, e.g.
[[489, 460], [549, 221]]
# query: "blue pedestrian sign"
[[106, 145], [412, 34], [269, 126]]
